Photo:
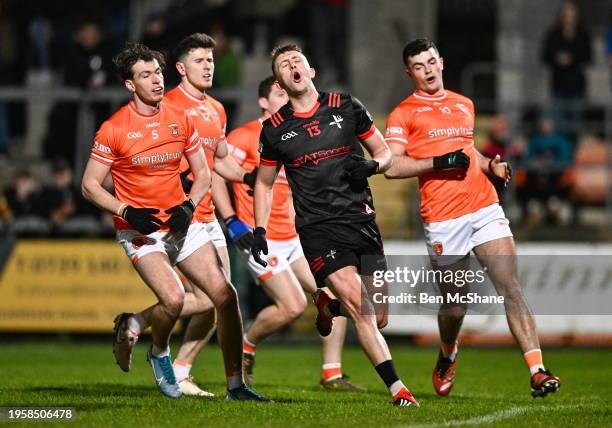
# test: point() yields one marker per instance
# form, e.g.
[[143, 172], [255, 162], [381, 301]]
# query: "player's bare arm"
[[262, 197], [201, 176], [262, 205], [495, 166], [93, 187], [227, 167], [404, 166], [379, 150]]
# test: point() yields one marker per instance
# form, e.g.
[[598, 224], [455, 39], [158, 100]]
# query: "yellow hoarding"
[[68, 285]]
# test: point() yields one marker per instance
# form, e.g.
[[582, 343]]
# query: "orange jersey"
[[244, 146], [433, 126], [144, 153], [210, 120]]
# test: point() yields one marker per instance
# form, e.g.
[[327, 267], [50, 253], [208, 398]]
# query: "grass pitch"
[[492, 389]]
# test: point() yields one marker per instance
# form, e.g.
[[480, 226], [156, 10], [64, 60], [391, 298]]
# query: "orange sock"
[[534, 360], [332, 371], [247, 346]]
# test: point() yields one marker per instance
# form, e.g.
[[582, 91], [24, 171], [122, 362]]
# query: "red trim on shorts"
[[266, 276]]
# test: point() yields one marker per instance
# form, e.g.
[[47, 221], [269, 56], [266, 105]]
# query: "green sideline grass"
[[492, 389]]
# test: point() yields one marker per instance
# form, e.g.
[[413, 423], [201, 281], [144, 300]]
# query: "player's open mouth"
[[297, 76], [431, 79], [207, 76], [159, 90]]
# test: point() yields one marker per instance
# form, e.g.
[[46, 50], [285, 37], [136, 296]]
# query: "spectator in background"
[[63, 202], [609, 46], [567, 50], [267, 15], [228, 68], [499, 143], [87, 65], [328, 35], [546, 160], [25, 211]]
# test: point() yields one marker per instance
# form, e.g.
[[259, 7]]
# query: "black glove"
[[186, 182], [452, 160], [360, 168], [260, 245], [142, 219], [239, 232], [250, 177], [180, 217]]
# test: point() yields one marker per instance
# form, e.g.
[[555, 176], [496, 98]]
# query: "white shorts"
[[450, 240], [280, 256], [213, 228], [176, 247]]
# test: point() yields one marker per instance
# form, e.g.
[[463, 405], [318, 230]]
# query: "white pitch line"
[[500, 415]]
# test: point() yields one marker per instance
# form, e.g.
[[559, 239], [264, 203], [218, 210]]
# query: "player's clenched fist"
[[180, 216], [239, 232], [500, 169], [260, 245], [452, 160], [359, 168], [142, 219]]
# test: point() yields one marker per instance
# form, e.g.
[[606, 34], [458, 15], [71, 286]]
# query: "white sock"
[[396, 387], [534, 369], [181, 369], [136, 324], [234, 381], [158, 352]]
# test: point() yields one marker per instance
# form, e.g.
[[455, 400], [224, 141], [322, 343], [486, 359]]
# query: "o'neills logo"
[[316, 157], [156, 158], [453, 131]]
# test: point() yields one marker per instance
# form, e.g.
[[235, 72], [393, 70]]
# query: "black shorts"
[[329, 247]]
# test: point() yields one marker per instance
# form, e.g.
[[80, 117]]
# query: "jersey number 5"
[[313, 130]]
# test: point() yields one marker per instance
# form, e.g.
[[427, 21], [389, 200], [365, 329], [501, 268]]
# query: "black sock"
[[386, 370], [334, 308]]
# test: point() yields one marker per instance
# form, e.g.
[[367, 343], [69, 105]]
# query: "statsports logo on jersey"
[[312, 146], [432, 126]]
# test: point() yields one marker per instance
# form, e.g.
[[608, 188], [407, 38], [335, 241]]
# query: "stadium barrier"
[[67, 285], [593, 281]]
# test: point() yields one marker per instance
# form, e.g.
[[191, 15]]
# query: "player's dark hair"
[[131, 54], [417, 46], [193, 41], [281, 50], [265, 87]]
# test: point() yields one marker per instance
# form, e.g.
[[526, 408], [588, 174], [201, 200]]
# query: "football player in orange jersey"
[[195, 64], [142, 145], [287, 275], [431, 135]]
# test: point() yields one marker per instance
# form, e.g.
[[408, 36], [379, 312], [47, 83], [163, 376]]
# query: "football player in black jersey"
[[316, 136]]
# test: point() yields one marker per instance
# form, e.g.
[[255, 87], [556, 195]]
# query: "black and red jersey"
[[313, 146]]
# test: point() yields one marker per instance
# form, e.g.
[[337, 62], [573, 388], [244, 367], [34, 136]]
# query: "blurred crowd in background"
[[560, 155]]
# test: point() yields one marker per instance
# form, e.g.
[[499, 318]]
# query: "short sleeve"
[[268, 155], [364, 126], [397, 131], [236, 146], [192, 137], [104, 146]]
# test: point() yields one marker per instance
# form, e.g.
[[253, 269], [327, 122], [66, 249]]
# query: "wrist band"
[[490, 170], [192, 204], [119, 211]]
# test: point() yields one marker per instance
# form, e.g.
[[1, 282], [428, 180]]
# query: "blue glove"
[[239, 232]]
